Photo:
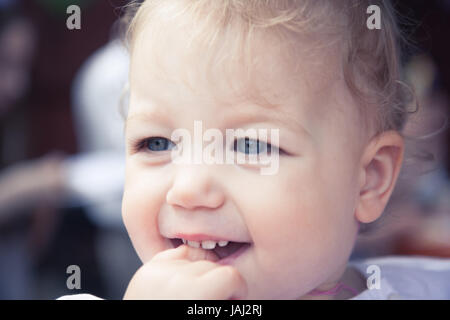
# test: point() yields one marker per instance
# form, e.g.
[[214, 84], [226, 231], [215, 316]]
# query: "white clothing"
[[407, 277]]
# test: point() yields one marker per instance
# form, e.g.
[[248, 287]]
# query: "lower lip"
[[231, 258]]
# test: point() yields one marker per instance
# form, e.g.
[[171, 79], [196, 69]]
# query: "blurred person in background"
[[91, 180], [95, 177], [21, 185]]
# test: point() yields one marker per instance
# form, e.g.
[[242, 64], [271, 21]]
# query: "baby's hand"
[[186, 273]]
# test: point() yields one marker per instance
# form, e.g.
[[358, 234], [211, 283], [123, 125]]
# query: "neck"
[[350, 284]]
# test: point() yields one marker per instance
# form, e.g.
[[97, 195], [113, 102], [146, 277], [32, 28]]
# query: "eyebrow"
[[164, 116], [259, 111], [273, 117], [156, 115]]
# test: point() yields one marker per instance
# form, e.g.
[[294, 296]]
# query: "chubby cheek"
[[291, 211], [142, 199], [297, 230]]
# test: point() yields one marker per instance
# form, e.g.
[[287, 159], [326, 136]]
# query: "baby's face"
[[298, 224]]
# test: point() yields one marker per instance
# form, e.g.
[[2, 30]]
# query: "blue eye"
[[158, 144], [251, 146]]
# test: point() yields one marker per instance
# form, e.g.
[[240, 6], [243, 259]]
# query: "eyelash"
[[140, 144]]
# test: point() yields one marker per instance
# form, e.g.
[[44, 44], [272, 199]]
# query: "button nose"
[[194, 187]]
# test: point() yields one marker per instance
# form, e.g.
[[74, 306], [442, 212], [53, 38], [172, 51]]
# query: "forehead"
[[174, 65]]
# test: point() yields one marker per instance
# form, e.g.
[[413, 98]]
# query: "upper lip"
[[202, 237]]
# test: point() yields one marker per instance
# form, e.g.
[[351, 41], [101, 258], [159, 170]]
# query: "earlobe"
[[379, 169]]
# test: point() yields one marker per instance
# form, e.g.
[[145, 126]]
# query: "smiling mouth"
[[231, 249]]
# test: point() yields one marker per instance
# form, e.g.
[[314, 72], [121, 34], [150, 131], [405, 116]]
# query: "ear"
[[379, 169]]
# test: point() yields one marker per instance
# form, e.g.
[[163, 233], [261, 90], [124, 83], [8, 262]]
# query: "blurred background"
[[62, 152]]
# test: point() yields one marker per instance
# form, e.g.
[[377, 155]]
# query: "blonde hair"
[[370, 59]]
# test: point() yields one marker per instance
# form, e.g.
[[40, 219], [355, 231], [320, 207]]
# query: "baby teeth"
[[222, 243], [194, 244], [208, 244]]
